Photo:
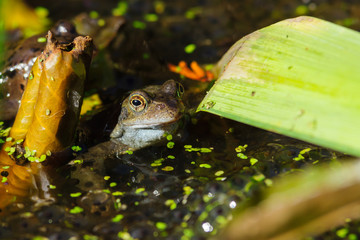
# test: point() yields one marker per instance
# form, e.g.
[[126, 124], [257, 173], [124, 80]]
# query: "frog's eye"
[[179, 90], [137, 102]]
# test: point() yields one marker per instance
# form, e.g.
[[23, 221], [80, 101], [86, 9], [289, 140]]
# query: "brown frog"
[[147, 115]]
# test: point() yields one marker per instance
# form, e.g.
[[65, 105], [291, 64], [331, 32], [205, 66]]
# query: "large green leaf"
[[299, 77]]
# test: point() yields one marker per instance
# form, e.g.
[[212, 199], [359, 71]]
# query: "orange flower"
[[195, 72]]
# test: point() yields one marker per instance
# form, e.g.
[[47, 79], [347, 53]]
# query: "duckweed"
[[167, 168], [190, 48], [76, 148], [77, 194], [76, 210], [205, 165], [341, 233], [139, 190], [78, 161], [301, 153], [253, 161], [117, 218], [117, 193], [161, 226], [171, 203], [170, 145], [139, 25]]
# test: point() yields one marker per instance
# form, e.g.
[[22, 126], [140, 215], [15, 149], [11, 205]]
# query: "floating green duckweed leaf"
[[113, 184], [205, 165], [157, 162], [10, 150], [268, 182], [300, 156], [220, 178], [121, 9], [42, 158], [139, 190], [253, 161], [298, 77], [188, 190], [259, 177], [106, 191], [161, 226], [171, 203], [170, 157], [151, 17], [94, 14], [139, 25], [125, 236], [190, 48], [170, 145], [219, 173], [169, 137], [41, 39], [241, 148], [117, 218], [241, 155], [352, 236], [4, 179], [117, 193], [205, 150], [39, 238], [77, 194], [341, 233], [76, 148], [106, 178], [52, 186], [76, 210], [168, 168]]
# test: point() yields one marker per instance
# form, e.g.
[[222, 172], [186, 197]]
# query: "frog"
[[147, 116]]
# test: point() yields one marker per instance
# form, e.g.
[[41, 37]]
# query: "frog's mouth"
[[154, 125], [166, 125]]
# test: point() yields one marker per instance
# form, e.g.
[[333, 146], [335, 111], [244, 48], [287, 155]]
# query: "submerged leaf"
[[298, 77], [301, 205]]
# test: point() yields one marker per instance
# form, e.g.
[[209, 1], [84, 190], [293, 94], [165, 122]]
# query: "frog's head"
[[148, 114]]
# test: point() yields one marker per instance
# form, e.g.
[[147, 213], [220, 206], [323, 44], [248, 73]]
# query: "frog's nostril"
[[160, 106]]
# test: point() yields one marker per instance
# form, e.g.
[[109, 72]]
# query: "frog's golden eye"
[[137, 102], [179, 90]]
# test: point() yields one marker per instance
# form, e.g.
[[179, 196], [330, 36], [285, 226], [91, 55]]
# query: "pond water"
[[187, 188]]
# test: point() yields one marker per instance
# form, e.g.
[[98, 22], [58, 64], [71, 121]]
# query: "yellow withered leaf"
[[48, 113]]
